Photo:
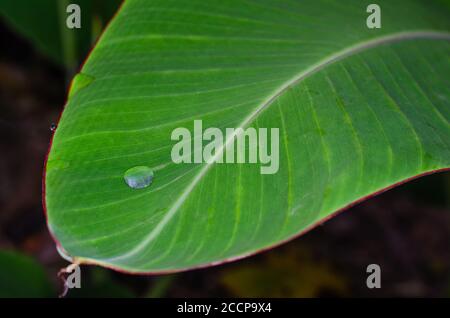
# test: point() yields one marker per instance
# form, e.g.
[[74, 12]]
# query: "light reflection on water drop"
[[138, 177]]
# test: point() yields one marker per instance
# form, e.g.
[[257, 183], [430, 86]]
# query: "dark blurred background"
[[406, 230]]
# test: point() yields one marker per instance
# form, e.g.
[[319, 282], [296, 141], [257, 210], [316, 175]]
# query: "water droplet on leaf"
[[139, 177], [53, 127]]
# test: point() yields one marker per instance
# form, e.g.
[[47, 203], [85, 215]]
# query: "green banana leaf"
[[359, 110]]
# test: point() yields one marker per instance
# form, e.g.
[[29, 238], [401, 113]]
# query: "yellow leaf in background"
[[290, 272]]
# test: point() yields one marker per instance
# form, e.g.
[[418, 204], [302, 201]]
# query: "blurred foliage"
[[289, 273], [160, 286], [44, 25], [21, 276]]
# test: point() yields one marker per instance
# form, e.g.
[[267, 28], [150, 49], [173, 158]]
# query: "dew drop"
[[53, 127], [138, 177]]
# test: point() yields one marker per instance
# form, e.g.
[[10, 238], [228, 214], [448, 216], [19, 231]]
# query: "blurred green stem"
[[67, 40], [160, 286]]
